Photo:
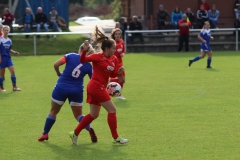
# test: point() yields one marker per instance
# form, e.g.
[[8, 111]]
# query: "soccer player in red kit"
[[105, 65], [119, 53]]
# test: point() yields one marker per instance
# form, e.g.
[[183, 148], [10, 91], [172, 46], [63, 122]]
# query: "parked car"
[[87, 19]]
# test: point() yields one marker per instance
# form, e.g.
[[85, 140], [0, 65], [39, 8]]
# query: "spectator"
[[117, 25], [27, 21], [41, 20], [237, 25], [123, 26], [237, 8], [190, 16], [202, 16], [213, 15], [206, 5], [8, 19], [175, 17], [53, 20], [162, 18], [135, 25], [184, 25]]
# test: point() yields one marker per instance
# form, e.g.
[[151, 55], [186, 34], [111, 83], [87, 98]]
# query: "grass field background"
[[171, 111]]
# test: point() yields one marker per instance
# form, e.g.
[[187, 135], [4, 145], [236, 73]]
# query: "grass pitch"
[[171, 111]]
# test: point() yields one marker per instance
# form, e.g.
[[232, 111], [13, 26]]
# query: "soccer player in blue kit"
[[69, 86], [205, 37], [5, 58]]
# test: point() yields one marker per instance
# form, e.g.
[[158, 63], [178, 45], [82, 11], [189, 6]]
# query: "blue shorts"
[[205, 48], [6, 62], [74, 96]]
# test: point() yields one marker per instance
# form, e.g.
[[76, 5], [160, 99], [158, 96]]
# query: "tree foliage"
[[116, 9]]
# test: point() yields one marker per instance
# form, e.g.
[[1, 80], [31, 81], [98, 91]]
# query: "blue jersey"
[[74, 72], [206, 35], [5, 46]]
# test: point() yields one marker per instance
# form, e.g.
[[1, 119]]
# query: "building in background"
[[18, 7], [146, 10]]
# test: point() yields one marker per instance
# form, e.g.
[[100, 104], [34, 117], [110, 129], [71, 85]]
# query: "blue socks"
[[196, 58], [1, 81], [13, 78], [209, 60], [79, 120], [48, 124]]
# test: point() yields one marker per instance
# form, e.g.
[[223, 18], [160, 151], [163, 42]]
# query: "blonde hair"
[[101, 39], [5, 26], [89, 51], [206, 22]]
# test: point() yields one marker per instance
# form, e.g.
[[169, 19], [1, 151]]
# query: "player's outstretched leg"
[[47, 127], [193, 60], [91, 131], [86, 120]]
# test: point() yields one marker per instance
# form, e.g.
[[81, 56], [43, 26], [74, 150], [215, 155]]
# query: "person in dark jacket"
[[27, 21], [163, 18], [135, 25], [202, 16], [237, 25], [8, 19], [41, 20], [190, 16]]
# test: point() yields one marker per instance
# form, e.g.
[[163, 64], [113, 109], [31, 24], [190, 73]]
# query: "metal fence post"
[[34, 45], [236, 39], [125, 40]]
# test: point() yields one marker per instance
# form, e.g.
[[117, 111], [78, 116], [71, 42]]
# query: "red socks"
[[112, 122], [83, 124]]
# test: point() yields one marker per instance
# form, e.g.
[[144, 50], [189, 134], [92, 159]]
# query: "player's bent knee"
[[94, 115]]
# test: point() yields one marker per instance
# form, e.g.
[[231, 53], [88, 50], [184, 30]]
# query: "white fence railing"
[[34, 34], [88, 34], [191, 30]]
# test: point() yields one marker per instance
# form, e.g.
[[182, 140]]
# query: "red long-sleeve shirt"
[[184, 29], [103, 66], [9, 18]]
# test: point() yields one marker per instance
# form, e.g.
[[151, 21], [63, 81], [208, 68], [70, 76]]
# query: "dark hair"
[[100, 38], [114, 31], [175, 10]]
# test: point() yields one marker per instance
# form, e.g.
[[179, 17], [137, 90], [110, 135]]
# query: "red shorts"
[[96, 93]]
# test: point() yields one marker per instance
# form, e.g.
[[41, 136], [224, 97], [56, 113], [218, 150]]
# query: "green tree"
[[116, 9], [95, 3]]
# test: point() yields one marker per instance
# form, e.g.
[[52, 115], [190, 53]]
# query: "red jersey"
[[9, 18], [103, 66], [206, 6], [184, 29], [120, 51], [1, 34]]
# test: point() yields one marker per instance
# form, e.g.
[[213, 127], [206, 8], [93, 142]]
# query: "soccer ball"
[[114, 89]]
